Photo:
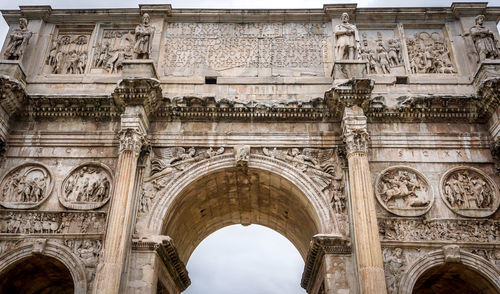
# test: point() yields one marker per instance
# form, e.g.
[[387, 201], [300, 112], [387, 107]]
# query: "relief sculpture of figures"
[[143, 38], [403, 191], [469, 192], [428, 53], [26, 186], [68, 54], [18, 41], [380, 56], [87, 187], [346, 40], [116, 46], [484, 40]]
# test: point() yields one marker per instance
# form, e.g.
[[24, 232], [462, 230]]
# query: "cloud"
[[245, 260]]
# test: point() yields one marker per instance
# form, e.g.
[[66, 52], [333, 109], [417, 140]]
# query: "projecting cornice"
[[321, 244]]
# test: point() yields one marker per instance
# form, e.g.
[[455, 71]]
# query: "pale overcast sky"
[[236, 259]]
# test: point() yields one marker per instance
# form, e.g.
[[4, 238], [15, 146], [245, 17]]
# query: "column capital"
[[132, 140], [356, 91], [12, 93], [354, 131]]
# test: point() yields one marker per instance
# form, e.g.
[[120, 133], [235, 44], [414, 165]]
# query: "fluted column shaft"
[[121, 214], [366, 238]]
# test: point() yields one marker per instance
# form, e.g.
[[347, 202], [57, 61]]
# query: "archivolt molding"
[[153, 221], [50, 249], [440, 257]]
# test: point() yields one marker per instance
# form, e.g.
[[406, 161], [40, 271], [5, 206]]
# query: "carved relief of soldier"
[[116, 46], [87, 184], [346, 39], [487, 46], [25, 185], [18, 41], [402, 189], [428, 53], [382, 56], [467, 190], [68, 54], [143, 38]]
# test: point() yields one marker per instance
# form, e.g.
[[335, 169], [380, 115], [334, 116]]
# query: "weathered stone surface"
[[129, 135]]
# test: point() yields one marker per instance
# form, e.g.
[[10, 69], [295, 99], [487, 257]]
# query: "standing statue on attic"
[[346, 40], [484, 40], [143, 38], [18, 41]]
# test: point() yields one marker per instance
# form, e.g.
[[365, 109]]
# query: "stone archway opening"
[[37, 274], [240, 196], [453, 278]]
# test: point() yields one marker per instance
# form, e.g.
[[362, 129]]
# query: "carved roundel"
[[87, 186], [26, 186], [469, 192], [404, 191]]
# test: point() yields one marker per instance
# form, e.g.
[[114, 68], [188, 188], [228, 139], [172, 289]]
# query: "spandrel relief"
[[26, 186], [383, 52], [89, 186], [429, 52], [404, 191], [242, 49], [469, 192], [68, 53], [114, 47]]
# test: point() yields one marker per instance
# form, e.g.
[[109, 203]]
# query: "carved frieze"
[[404, 191], [428, 52], [68, 53], [26, 186], [116, 46], [469, 192], [38, 222], [456, 230], [382, 51], [88, 186], [234, 47]]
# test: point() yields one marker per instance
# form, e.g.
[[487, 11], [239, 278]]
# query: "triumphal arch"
[[369, 137]]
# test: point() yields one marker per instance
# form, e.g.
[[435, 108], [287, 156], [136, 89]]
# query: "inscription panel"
[[242, 49]]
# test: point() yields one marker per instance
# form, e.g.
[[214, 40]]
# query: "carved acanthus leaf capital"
[[132, 140]]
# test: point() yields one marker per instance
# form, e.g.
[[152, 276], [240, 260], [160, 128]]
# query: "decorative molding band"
[[210, 108], [92, 106], [321, 244]]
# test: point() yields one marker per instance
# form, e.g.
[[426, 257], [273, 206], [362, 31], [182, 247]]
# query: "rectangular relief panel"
[[69, 50], [383, 51], [429, 51], [252, 49], [113, 46]]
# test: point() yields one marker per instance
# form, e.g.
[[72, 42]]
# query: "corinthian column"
[[366, 238], [137, 98], [120, 219]]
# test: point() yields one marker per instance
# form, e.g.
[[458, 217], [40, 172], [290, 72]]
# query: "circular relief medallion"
[[404, 191], [26, 186], [88, 186], [469, 192]]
